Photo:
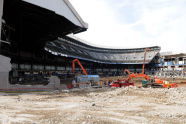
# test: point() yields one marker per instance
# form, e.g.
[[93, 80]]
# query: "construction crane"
[[79, 63]]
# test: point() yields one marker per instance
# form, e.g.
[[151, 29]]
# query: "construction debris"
[[106, 105]]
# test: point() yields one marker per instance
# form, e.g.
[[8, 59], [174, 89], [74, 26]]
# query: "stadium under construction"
[[41, 83], [35, 44]]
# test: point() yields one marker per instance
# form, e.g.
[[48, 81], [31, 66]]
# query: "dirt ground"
[[95, 106]]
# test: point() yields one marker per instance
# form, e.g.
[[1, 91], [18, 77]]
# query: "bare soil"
[[95, 106]]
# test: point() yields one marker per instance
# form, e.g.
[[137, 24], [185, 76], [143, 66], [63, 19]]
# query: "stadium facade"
[[103, 60], [172, 65], [35, 43]]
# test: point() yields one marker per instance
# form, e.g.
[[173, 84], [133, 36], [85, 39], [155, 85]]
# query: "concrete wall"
[[5, 67], [1, 13], [54, 83]]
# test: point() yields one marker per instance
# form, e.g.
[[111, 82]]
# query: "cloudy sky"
[[134, 23]]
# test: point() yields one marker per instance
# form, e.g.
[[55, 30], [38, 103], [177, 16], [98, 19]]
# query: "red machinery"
[[121, 83], [126, 82], [79, 63], [133, 75], [155, 82], [165, 83]]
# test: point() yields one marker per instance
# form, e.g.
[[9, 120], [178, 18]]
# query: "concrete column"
[[3, 74], [1, 14], [5, 67]]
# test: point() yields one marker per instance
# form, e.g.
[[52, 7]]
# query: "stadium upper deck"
[[71, 47]]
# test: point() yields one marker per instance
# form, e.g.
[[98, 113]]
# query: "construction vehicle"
[[153, 82], [79, 63], [85, 78], [165, 83], [148, 82], [126, 82], [121, 83]]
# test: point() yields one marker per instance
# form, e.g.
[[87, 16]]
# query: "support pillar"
[[1, 14], [5, 68]]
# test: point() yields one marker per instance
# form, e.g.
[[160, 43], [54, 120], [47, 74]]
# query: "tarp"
[[61, 7]]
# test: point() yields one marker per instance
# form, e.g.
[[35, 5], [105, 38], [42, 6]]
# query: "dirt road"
[[95, 106]]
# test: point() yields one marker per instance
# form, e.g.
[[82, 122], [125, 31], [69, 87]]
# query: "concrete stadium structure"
[[172, 65], [35, 45], [72, 47]]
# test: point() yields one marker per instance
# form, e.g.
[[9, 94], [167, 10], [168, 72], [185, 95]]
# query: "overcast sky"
[[134, 23]]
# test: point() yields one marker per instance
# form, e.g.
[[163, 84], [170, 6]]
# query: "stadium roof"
[[175, 55], [62, 8], [33, 22]]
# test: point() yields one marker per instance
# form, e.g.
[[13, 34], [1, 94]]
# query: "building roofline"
[[105, 48], [63, 8], [70, 6]]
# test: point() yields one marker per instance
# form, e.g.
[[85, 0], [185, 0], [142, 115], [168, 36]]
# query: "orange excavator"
[[150, 82], [133, 75], [85, 78], [79, 63], [164, 83], [140, 75]]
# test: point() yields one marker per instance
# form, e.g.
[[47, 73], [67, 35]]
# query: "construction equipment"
[[84, 79], [79, 63], [133, 75], [150, 82], [126, 82], [121, 83], [164, 83]]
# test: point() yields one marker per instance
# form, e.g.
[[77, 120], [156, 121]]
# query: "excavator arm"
[[127, 71], [133, 75], [79, 63], [138, 76]]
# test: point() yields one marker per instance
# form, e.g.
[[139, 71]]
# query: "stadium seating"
[[70, 47]]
